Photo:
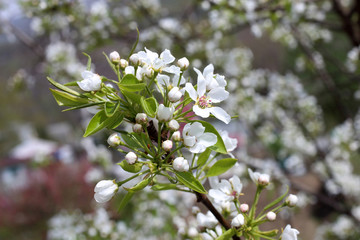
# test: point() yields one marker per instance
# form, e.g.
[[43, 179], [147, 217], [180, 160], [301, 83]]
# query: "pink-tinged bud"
[[167, 145], [176, 136], [174, 125], [174, 94], [271, 216], [137, 128], [123, 63], [264, 179], [114, 57], [291, 200], [238, 221], [131, 158], [114, 140], [183, 63], [141, 118], [244, 208], [180, 164]]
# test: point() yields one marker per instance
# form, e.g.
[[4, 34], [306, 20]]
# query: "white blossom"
[[114, 57], [180, 164], [131, 158], [165, 114], [174, 125], [289, 233], [208, 220], [167, 145], [259, 178], [114, 140], [174, 94], [90, 82], [238, 221], [105, 190], [196, 138], [226, 191]]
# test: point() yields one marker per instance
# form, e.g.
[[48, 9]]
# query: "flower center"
[[204, 102]]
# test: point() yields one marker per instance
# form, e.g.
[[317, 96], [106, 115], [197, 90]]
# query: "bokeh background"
[[293, 74]]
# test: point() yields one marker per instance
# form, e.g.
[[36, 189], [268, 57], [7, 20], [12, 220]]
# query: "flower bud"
[[123, 63], [174, 125], [291, 200], [141, 118], [183, 63], [114, 140], [176, 136], [137, 128], [131, 158], [134, 59], [193, 232], [271, 216], [174, 94], [105, 190], [148, 72], [165, 114], [115, 57], [167, 145], [264, 179], [238, 221], [180, 164], [244, 208]]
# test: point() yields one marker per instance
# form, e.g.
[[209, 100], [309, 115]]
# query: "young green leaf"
[[82, 106], [66, 99], [219, 146], [227, 235], [110, 108], [125, 200], [62, 87], [149, 105], [164, 186], [132, 87], [190, 181], [131, 140], [88, 65], [221, 167], [110, 63], [100, 121], [133, 168], [135, 44], [203, 157], [276, 201], [140, 186], [129, 79]]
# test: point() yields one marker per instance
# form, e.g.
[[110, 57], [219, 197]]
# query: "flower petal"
[[191, 90], [167, 57], [220, 114], [196, 129], [207, 139], [202, 112], [217, 95]]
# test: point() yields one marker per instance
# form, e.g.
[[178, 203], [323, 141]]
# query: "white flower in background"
[[131, 158], [196, 138], [226, 191], [91, 82], [164, 114], [208, 220], [180, 164], [230, 143], [259, 178], [203, 100], [158, 64], [289, 233], [105, 190], [174, 94], [291, 200], [238, 221]]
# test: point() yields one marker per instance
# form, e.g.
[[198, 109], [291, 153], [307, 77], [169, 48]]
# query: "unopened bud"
[[114, 140], [264, 179], [115, 57], [174, 94], [183, 63], [271, 216], [174, 125], [176, 136], [137, 128], [148, 72], [238, 221], [141, 118], [167, 145], [134, 59], [131, 158], [123, 63], [165, 114], [180, 164], [244, 208], [291, 200]]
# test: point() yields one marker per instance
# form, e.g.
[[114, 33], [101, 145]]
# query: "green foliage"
[[132, 168], [221, 167], [100, 121], [190, 181]]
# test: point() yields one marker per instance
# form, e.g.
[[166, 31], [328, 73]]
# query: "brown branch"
[[205, 200]]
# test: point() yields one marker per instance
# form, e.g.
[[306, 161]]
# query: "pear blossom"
[[244, 207], [114, 57], [204, 99], [176, 136], [212, 80], [180, 164], [271, 216], [238, 221], [159, 64], [291, 200], [114, 140], [175, 94], [174, 125], [131, 158], [123, 63], [167, 145], [183, 63], [196, 138], [90, 82], [230, 143], [259, 178], [226, 190], [165, 114], [289, 233], [208, 220], [105, 190]]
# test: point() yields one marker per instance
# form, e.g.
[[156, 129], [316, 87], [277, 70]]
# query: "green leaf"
[[149, 105], [140, 186], [62, 87], [100, 121], [133, 168], [227, 235], [88, 65], [134, 97], [135, 44], [125, 200], [66, 99], [129, 79], [110, 63], [221, 166], [164, 186], [72, 84], [110, 108], [276, 201], [219, 146], [130, 140], [132, 87], [190, 181], [203, 157], [82, 106]]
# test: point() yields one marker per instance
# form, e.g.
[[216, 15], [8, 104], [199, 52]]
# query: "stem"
[[256, 200], [132, 177]]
